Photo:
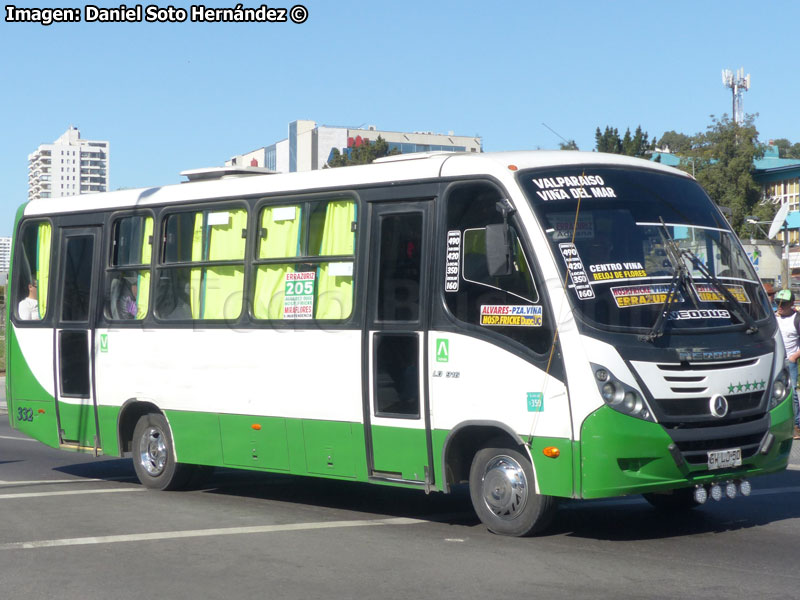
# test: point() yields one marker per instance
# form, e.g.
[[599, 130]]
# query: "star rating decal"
[[747, 386]]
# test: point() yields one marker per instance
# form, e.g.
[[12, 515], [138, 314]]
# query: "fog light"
[[730, 490], [700, 494], [745, 488], [716, 492]]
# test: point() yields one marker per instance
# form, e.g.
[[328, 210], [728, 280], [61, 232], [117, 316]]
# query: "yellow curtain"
[[222, 286], [143, 281], [43, 265], [196, 275], [282, 227], [335, 281]]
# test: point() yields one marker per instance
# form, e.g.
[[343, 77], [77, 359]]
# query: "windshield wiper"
[[680, 277], [730, 299]]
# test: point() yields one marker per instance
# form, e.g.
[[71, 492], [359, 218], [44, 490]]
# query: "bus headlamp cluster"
[[780, 389], [619, 396]]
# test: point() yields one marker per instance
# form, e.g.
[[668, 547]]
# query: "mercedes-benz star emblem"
[[718, 405]]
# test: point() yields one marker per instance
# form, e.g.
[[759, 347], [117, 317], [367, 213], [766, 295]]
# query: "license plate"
[[722, 459]]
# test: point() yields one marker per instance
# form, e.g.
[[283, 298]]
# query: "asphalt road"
[[72, 526]]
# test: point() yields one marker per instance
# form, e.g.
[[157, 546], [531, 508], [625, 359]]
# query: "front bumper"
[[622, 455]]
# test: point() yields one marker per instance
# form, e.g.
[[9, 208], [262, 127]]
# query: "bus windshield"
[[620, 236]]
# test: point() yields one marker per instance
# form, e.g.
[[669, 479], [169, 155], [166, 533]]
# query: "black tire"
[[154, 456], [501, 486], [677, 501]]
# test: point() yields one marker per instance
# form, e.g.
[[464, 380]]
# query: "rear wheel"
[[154, 456], [676, 501], [501, 486]]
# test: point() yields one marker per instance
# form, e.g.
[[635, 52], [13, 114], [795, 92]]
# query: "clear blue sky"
[[171, 97]]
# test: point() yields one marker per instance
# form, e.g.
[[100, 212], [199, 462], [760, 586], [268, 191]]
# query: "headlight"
[[619, 396], [780, 389]]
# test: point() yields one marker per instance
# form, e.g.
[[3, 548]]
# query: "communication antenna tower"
[[738, 84]]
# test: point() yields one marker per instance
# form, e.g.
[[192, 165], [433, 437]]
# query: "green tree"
[[363, 154], [722, 161], [568, 145], [630, 145], [678, 143], [786, 149]]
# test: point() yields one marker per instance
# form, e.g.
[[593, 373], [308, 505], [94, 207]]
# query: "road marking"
[[69, 493], [46, 481], [193, 533], [17, 439]]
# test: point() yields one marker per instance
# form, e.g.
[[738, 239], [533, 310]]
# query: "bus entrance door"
[[396, 415], [77, 409]]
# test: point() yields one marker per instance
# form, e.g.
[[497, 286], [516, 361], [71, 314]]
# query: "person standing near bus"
[[789, 324], [29, 306]]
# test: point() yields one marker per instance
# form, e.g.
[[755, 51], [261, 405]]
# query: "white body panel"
[[307, 374]]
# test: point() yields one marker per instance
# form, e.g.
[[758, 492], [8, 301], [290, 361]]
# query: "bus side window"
[[127, 291], [511, 304], [32, 276], [202, 291], [317, 283], [279, 237]]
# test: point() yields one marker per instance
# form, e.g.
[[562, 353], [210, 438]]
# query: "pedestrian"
[[789, 324], [771, 295]]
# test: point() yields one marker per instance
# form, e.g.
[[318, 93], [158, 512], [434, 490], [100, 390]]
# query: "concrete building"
[[310, 146], [68, 167]]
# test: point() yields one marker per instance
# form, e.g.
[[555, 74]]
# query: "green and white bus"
[[539, 325]]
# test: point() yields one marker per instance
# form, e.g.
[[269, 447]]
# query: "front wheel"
[[501, 488], [154, 455]]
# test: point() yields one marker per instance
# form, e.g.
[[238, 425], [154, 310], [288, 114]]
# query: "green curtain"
[[335, 291], [43, 265], [279, 239]]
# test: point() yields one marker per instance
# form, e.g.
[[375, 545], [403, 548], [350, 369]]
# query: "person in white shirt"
[[789, 324], [29, 306]]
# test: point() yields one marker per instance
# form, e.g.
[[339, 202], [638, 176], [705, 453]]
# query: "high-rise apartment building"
[[5, 253], [68, 167], [310, 146]]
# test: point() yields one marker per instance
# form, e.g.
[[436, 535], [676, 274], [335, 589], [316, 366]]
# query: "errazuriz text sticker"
[[642, 295], [572, 187], [563, 225], [576, 272], [453, 261], [617, 270], [511, 315], [708, 293], [298, 299]]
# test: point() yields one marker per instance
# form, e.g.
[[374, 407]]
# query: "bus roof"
[[395, 170]]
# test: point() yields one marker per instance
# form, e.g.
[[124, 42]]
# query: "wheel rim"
[[153, 451], [505, 487]]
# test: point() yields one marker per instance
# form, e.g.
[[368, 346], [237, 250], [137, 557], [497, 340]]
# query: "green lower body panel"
[[400, 451], [623, 455], [298, 446], [553, 474]]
